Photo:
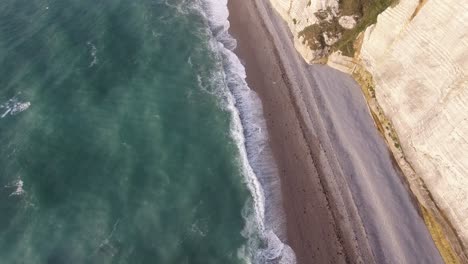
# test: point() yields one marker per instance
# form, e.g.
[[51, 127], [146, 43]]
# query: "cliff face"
[[417, 55], [299, 14], [321, 27]]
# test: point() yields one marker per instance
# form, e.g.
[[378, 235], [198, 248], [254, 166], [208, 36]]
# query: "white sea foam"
[[93, 54], [18, 185], [14, 106], [265, 219], [180, 5]]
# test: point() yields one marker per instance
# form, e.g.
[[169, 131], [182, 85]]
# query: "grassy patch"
[[439, 238], [366, 12], [313, 35], [369, 10]]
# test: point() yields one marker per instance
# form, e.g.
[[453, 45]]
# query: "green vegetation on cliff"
[[364, 11]]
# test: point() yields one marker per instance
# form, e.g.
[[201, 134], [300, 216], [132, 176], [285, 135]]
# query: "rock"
[[347, 22]]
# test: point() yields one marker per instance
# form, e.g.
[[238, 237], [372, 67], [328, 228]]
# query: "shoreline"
[[328, 193], [293, 158]]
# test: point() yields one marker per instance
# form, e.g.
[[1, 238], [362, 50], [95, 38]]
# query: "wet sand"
[[344, 201]]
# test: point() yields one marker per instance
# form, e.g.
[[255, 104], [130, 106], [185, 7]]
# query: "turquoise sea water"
[[120, 139]]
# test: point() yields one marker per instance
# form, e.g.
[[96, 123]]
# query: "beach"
[[344, 200]]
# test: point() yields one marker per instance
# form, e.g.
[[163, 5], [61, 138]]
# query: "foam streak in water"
[[93, 54]]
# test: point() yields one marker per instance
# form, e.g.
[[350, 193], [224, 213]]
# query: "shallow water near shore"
[[125, 137]]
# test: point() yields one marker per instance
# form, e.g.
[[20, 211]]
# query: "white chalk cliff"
[[300, 14], [420, 67], [417, 53]]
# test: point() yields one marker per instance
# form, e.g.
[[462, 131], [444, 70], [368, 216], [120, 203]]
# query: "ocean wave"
[[265, 225]]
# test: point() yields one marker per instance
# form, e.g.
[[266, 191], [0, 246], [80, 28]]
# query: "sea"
[[129, 135]]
